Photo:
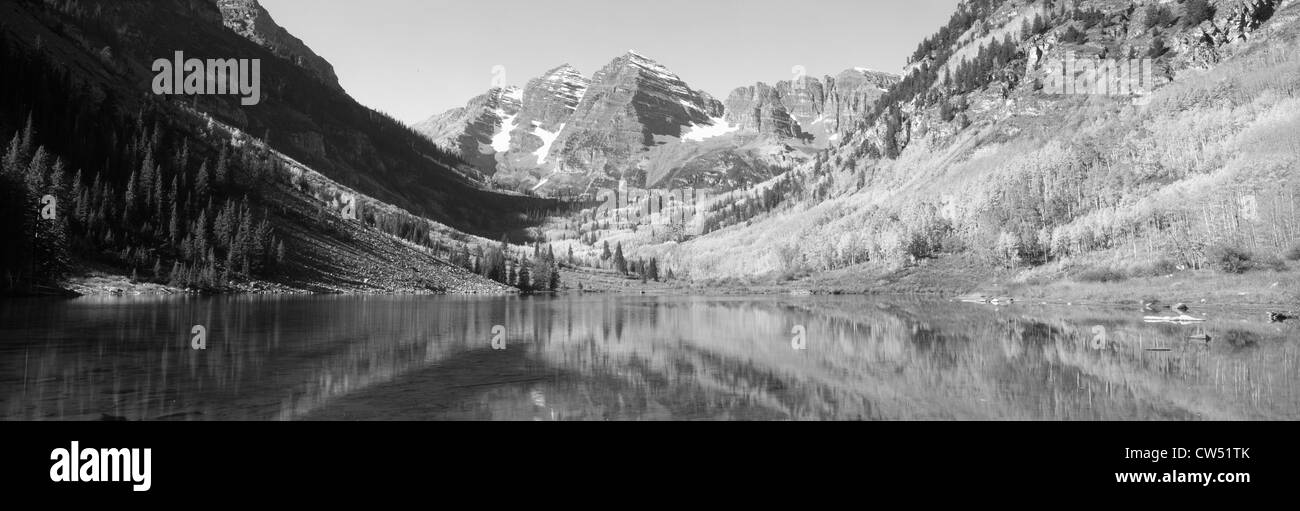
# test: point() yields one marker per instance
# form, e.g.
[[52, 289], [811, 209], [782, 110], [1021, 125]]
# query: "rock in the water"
[[1181, 307]]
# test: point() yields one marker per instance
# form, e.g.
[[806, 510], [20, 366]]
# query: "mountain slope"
[[474, 130], [974, 164], [202, 193], [315, 124]]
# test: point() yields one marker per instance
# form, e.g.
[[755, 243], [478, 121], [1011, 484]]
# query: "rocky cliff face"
[[1202, 46], [808, 109], [249, 19], [850, 94], [553, 97], [548, 102], [762, 108]]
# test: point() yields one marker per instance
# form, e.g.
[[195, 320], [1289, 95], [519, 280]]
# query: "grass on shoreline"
[[948, 277], [956, 276]]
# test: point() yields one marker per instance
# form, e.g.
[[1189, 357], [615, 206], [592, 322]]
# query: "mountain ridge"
[[632, 115], [249, 19]]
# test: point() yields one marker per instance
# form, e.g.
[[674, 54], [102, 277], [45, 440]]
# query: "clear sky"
[[415, 58]]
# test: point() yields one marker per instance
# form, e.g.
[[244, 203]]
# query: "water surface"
[[617, 357]]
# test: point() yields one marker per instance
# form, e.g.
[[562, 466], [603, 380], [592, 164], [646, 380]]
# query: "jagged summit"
[[565, 82], [509, 93], [249, 19], [643, 62]]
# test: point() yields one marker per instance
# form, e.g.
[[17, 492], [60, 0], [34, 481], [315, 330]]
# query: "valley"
[[970, 171]]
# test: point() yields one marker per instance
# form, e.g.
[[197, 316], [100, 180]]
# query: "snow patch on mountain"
[[718, 128], [548, 138], [501, 140]]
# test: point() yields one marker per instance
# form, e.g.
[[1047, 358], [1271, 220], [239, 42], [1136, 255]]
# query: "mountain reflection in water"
[[614, 357]]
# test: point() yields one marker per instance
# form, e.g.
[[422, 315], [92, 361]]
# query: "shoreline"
[[1272, 291]]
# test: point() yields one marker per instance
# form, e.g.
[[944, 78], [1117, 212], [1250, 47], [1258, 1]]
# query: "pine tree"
[[525, 278], [553, 283], [12, 156], [178, 275], [200, 232], [620, 263], [202, 183], [145, 186], [893, 125], [36, 172], [174, 225], [494, 264], [244, 239], [263, 243], [27, 141], [223, 168], [224, 227], [182, 157]]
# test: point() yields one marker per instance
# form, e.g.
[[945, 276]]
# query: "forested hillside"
[[100, 175]]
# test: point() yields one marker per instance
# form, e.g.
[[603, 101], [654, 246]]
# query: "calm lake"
[[618, 357]]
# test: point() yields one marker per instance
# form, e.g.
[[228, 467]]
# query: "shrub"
[[1229, 259], [1100, 275], [1268, 262], [1074, 35], [1157, 268], [1293, 254]]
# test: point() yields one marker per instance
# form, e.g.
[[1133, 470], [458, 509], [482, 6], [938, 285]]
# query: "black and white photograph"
[[958, 215]]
